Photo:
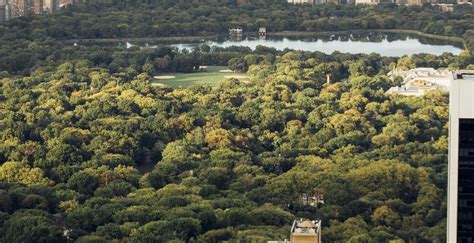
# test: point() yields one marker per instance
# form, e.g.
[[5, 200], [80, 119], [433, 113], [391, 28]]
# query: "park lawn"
[[184, 80]]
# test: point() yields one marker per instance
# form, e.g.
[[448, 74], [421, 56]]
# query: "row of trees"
[[99, 19], [23, 58]]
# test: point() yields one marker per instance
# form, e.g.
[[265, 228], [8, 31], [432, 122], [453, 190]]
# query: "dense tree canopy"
[[90, 150], [117, 158]]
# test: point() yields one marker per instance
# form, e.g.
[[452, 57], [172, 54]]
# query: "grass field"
[[212, 77]]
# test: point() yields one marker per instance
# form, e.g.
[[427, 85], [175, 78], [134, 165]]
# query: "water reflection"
[[387, 44]]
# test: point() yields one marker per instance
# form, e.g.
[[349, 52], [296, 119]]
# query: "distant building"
[[418, 81], [313, 198], [20, 8], [414, 2], [3, 7], [301, 1], [37, 6], [445, 7], [51, 6], [236, 34], [262, 32], [65, 3], [8, 12], [2, 13], [306, 231], [236, 31], [367, 2], [23, 8]]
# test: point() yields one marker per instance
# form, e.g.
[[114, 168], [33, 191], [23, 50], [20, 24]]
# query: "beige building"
[[414, 2], [37, 6], [21, 8], [51, 6], [306, 231]]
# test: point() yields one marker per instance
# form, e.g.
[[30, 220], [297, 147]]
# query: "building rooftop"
[[306, 226], [419, 80]]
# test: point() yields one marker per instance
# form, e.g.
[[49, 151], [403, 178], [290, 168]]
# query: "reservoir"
[[386, 44]]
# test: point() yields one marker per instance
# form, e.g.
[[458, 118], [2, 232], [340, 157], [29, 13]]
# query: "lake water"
[[386, 44]]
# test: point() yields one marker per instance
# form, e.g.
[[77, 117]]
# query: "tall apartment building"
[[461, 159]]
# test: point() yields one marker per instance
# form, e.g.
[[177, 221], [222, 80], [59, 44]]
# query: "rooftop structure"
[[306, 231], [418, 81]]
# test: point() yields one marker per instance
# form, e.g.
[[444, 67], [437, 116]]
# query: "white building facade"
[[367, 2], [461, 160], [301, 1]]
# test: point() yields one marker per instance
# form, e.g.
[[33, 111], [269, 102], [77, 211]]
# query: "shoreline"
[[400, 31], [278, 34], [141, 39]]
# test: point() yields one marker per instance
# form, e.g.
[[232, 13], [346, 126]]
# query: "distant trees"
[[238, 65]]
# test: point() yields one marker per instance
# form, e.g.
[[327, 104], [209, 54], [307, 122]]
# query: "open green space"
[[211, 77]]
